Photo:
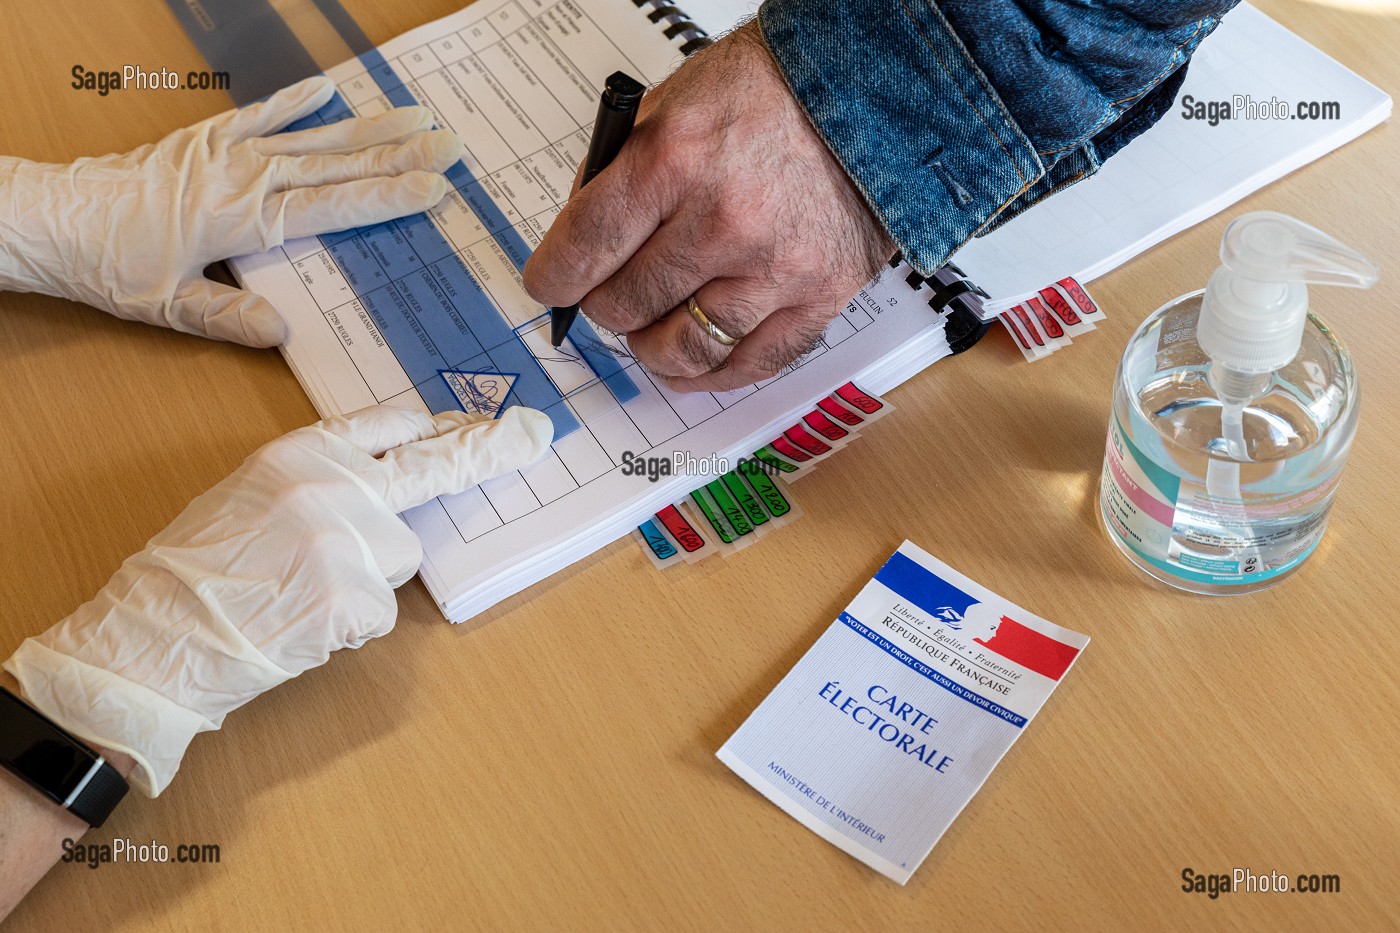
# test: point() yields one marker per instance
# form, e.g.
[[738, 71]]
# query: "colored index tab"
[[788, 449], [686, 536], [746, 499], [1047, 322], [769, 492], [858, 399], [725, 501], [1015, 329], [840, 412], [1020, 313], [774, 461], [1057, 303], [825, 426], [804, 439], [1074, 290], [655, 540], [712, 516]]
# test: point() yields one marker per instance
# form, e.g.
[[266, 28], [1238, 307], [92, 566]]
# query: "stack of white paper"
[[429, 312]]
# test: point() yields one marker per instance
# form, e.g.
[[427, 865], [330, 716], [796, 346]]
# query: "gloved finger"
[[372, 628], [397, 553], [460, 458], [426, 152], [268, 116], [380, 427], [212, 309], [359, 203], [394, 126]]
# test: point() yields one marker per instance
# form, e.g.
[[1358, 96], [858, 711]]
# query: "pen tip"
[[559, 321]]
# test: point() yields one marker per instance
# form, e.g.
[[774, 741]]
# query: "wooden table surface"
[[555, 769]]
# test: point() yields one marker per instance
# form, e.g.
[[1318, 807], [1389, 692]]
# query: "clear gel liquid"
[[1181, 498]]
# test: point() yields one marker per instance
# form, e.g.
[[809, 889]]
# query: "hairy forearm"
[[32, 828]]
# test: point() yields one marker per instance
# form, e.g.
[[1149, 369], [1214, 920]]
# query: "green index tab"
[[730, 508], [746, 500], [716, 521], [769, 492], [773, 460]]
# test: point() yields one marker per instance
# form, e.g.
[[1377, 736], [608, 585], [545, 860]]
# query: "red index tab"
[[1057, 303], [790, 450], [1019, 312], [825, 426], [840, 412], [687, 537], [1077, 293], [858, 399], [1015, 329], [1052, 326], [806, 441]]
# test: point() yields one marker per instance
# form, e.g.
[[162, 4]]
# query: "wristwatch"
[[56, 764]]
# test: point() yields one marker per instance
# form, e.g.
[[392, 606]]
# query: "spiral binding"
[[678, 24], [956, 297]]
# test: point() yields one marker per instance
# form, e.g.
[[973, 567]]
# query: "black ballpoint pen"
[[617, 111]]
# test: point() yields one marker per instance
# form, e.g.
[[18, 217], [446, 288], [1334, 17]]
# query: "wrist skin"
[[32, 828]]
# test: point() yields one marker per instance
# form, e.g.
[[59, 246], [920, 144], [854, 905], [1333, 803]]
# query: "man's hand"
[[726, 192], [132, 233], [294, 556]]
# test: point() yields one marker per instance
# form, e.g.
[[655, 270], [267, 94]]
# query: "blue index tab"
[[659, 544]]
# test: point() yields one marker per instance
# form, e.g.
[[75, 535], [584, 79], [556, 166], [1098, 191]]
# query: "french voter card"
[[885, 729]]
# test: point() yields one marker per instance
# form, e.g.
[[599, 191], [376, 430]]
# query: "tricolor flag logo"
[[982, 623], [1030, 649]]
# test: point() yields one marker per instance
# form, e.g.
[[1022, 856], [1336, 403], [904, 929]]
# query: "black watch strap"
[[100, 797], [56, 763]]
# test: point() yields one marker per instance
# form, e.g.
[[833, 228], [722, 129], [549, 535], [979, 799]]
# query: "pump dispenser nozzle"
[[1257, 301]]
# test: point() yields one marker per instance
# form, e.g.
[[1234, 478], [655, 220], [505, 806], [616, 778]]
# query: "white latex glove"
[[294, 556], [131, 234]]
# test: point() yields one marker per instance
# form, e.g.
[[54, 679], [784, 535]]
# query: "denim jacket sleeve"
[[951, 116]]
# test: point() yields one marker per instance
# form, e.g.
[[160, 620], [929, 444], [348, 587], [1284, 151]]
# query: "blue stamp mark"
[[481, 393]]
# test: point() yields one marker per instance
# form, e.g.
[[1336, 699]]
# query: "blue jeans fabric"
[[953, 116]]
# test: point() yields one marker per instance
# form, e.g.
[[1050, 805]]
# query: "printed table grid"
[[410, 290]]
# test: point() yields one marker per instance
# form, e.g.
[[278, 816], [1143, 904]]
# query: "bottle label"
[[1143, 503]]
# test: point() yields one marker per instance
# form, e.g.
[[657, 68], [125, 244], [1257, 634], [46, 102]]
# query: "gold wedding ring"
[[708, 325]]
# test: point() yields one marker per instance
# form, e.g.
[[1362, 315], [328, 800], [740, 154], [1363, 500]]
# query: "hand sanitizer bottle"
[[1233, 411]]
